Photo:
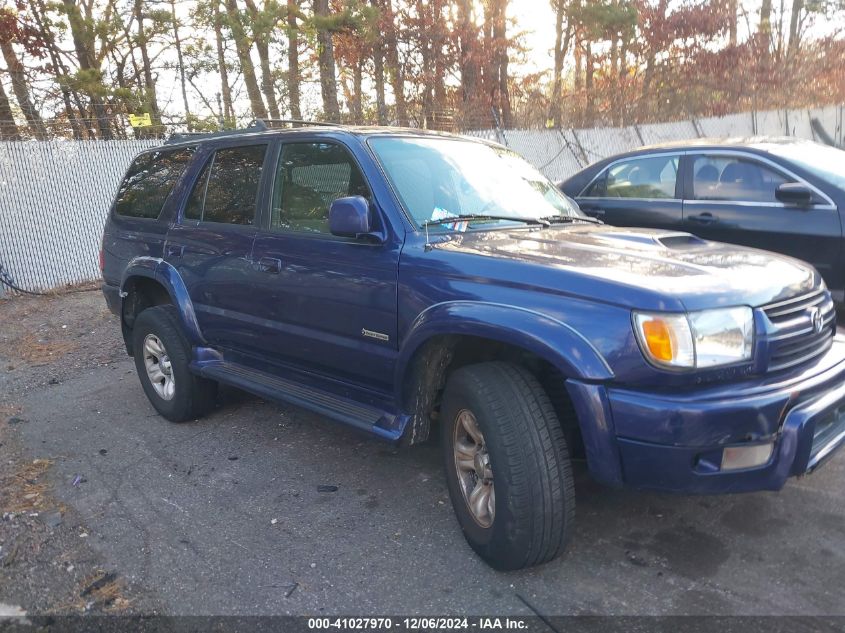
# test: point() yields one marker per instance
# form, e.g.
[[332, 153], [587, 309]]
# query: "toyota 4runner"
[[400, 281]]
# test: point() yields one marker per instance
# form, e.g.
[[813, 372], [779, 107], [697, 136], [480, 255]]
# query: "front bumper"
[[674, 441]]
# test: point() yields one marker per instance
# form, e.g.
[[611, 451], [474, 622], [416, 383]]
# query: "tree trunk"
[[765, 32], [8, 127], [262, 45], [181, 64], [59, 69], [293, 60], [733, 10], [794, 25], [588, 82], [468, 50], [83, 44], [427, 79], [21, 90], [500, 68], [328, 81], [394, 68], [149, 84], [357, 87], [378, 79], [242, 46], [559, 52], [267, 87], [228, 111], [440, 63]]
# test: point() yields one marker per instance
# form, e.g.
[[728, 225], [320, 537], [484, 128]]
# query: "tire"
[[530, 518], [186, 396]]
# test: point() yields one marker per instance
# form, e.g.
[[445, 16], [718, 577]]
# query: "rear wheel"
[[507, 465], [162, 358]]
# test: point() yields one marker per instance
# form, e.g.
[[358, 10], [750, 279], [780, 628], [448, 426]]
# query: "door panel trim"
[[749, 203]]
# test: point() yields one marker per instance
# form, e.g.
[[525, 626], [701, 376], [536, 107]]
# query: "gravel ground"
[[267, 509], [46, 561]]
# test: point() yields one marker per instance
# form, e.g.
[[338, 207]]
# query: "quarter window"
[[729, 178], [642, 177], [149, 181], [227, 190], [309, 178]]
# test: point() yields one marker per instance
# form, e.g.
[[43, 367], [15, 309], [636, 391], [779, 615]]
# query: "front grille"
[[793, 337]]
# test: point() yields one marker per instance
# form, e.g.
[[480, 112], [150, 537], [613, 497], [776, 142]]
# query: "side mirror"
[[794, 193], [350, 217]]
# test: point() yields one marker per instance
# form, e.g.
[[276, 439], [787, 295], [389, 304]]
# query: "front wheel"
[[507, 465]]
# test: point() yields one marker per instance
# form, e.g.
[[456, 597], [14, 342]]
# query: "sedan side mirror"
[[350, 217], [794, 193]]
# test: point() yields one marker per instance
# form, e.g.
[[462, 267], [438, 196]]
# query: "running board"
[[364, 417]]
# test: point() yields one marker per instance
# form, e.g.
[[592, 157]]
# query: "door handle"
[[174, 250], [270, 265], [703, 218]]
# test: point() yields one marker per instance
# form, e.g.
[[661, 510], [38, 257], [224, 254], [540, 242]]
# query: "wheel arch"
[[149, 281], [450, 335]]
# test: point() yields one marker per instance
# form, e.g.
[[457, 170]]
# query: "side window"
[[227, 189], [310, 177], [728, 178], [150, 179], [641, 177]]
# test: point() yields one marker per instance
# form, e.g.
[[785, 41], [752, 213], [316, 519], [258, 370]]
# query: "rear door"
[[211, 242], [730, 197], [642, 190]]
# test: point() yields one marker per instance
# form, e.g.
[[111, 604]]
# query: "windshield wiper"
[[452, 219], [561, 219]]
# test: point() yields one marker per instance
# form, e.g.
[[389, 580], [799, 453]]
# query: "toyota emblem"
[[816, 319]]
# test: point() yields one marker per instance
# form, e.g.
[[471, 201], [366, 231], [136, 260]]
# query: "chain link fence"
[[561, 153], [54, 195]]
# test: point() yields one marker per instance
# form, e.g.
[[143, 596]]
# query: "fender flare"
[[551, 339], [167, 276]]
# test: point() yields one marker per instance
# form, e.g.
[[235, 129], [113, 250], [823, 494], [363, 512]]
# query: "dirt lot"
[[263, 509]]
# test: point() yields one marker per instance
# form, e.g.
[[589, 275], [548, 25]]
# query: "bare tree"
[[325, 56]]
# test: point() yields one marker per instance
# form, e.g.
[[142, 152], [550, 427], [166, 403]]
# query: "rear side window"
[[150, 180], [227, 189], [734, 179]]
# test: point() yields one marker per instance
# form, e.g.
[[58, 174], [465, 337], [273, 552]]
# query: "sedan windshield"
[[474, 184], [823, 161]]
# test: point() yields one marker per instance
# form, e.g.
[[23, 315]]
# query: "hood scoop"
[[680, 241], [672, 241]]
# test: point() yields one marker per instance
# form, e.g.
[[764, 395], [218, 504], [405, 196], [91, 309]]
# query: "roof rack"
[[256, 125], [181, 137], [295, 122]]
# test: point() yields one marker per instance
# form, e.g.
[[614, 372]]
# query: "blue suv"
[[399, 282]]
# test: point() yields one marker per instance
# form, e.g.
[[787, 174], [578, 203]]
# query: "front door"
[[211, 243], [637, 191], [327, 304]]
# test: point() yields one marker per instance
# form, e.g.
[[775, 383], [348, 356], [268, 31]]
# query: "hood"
[[663, 264]]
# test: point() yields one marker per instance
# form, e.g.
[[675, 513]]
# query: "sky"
[[536, 19]]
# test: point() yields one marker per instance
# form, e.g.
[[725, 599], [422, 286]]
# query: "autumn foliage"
[[79, 67]]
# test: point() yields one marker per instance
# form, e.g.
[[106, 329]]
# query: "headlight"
[[708, 338]]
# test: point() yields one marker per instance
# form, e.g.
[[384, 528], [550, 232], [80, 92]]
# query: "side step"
[[364, 417]]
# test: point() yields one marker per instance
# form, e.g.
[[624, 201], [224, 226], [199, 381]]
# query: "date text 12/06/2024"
[[420, 624]]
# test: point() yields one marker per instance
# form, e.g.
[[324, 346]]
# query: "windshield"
[[823, 161], [440, 178]]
